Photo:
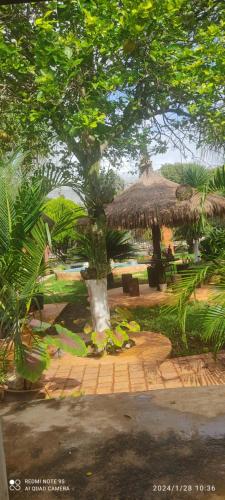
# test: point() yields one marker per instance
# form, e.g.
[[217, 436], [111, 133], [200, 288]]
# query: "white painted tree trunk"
[[97, 291], [196, 251]]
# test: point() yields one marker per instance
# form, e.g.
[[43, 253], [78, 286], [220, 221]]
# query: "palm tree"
[[96, 189], [23, 238], [118, 246], [213, 267], [198, 177]]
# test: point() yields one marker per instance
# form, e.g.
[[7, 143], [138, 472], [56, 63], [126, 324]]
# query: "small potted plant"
[[32, 357]]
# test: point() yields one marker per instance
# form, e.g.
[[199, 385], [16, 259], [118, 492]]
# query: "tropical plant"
[[213, 270], [118, 246], [198, 177], [23, 239], [213, 245], [193, 174], [56, 209], [114, 338]]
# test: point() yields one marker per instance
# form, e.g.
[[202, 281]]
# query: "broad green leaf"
[[31, 362], [87, 328], [67, 341], [134, 326], [119, 336], [100, 338]]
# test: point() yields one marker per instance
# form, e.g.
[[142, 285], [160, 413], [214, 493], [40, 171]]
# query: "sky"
[[205, 157], [174, 155]]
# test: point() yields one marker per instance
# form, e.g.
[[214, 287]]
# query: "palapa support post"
[[152, 276], [134, 289], [159, 274], [156, 241], [126, 278]]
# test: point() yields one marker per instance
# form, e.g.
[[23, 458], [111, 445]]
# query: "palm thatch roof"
[[156, 200]]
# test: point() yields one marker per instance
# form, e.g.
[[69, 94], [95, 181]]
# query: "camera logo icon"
[[14, 484]]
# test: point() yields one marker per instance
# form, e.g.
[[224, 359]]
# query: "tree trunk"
[[99, 265], [97, 291], [196, 250]]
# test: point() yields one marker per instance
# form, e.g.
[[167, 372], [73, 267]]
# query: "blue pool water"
[[118, 264], [126, 264], [75, 269]]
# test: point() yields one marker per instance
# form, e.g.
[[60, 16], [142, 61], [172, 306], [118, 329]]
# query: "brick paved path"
[[133, 376], [129, 371]]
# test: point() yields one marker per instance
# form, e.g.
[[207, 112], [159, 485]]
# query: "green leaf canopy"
[[103, 78]]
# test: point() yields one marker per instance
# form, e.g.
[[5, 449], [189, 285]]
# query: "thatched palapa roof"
[[154, 200]]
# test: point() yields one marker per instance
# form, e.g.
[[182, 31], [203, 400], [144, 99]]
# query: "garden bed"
[[75, 316]]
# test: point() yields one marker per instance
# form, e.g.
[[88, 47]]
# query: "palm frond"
[[32, 262], [214, 325], [66, 220], [118, 246], [196, 176], [7, 217], [51, 177], [217, 183], [190, 280]]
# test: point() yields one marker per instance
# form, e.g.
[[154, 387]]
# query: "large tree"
[[89, 80], [86, 74]]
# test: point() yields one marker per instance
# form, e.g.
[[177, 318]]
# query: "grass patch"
[[142, 275], [155, 319], [63, 291]]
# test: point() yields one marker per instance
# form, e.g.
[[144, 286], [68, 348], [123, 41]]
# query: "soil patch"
[[74, 316]]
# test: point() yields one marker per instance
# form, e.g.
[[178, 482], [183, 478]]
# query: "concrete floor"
[[120, 446]]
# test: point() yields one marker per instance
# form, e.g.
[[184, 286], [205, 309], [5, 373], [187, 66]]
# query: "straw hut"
[[154, 201]]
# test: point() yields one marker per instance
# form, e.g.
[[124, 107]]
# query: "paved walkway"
[[67, 377], [130, 371]]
